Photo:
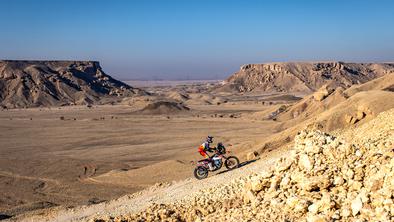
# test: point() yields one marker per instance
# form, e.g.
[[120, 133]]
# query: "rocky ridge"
[[303, 77], [326, 178], [330, 109], [55, 83]]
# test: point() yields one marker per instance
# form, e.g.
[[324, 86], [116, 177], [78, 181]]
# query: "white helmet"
[[209, 139]]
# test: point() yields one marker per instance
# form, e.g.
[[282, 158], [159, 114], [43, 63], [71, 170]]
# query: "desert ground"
[[90, 148], [75, 155]]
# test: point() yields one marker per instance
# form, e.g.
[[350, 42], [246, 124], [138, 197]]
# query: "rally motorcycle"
[[215, 162]]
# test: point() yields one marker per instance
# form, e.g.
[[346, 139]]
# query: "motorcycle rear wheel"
[[200, 172], [231, 162]]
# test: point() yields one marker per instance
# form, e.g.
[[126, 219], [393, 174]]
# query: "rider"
[[205, 147]]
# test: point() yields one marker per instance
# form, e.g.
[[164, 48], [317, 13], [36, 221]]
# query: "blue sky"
[[188, 39]]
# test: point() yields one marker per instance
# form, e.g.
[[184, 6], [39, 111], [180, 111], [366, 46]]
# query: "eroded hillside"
[[303, 77], [54, 83]]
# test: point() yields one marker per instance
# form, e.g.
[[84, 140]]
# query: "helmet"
[[210, 139]]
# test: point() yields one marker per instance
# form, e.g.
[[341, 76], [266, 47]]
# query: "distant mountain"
[[55, 83], [303, 77]]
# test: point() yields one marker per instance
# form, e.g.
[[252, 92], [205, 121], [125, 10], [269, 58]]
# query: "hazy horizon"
[[195, 40]]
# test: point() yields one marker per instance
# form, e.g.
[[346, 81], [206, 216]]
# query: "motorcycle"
[[216, 162]]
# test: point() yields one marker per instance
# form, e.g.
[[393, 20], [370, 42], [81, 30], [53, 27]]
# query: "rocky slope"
[[345, 176], [343, 106], [303, 77], [54, 83], [325, 178], [330, 108]]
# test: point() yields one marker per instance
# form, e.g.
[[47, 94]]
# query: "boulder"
[[252, 155]]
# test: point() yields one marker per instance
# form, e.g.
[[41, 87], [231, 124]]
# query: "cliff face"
[[302, 77], [55, 83]]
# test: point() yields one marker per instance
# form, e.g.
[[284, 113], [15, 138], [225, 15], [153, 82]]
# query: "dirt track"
[[70, 156], [165, 193]]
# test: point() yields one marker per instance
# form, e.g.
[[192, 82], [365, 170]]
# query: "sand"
[[76, 155], [56, 158]]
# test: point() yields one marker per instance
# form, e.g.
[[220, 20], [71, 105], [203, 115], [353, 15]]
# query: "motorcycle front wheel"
[[231, 162], [200, 172]]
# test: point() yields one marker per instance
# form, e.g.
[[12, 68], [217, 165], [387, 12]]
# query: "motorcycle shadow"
[[239, 166]]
